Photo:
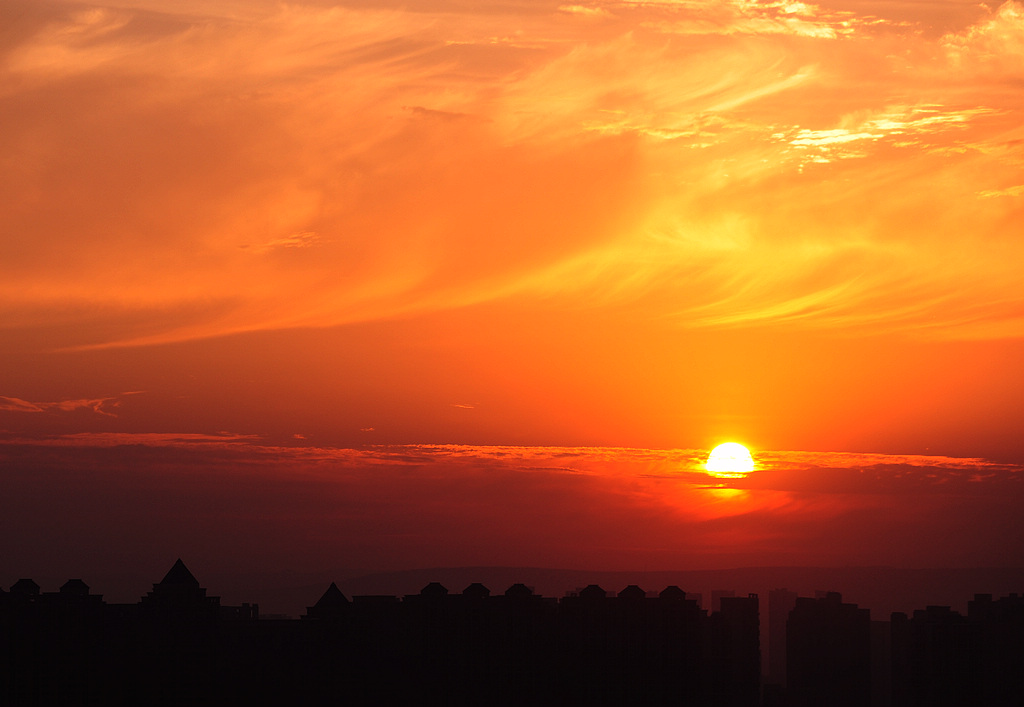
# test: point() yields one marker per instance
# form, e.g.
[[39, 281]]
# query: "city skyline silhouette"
[[591, 646], [431, 293]]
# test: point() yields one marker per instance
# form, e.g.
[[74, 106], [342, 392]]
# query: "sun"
[[730, 461]]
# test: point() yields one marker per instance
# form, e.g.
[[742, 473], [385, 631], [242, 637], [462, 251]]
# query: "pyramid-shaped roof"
[[179, 576], [331, 599], [333, 605]]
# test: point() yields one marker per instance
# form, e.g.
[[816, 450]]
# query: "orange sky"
[[653, 223], [636, 224]]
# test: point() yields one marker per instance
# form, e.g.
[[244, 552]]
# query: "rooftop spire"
[[180, 576]]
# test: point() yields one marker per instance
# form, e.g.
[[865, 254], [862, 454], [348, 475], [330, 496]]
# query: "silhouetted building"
[[881, 664], [716, 598], [74, 587], [998, 632], [780, 603], [476, 591], [592, 593], [943, 658], [828, 653], [672, 593], [178, 646], [434, 590], [734, 661], [518, 591], [332, 606], [25, 589], [632, 593], [178, 597]]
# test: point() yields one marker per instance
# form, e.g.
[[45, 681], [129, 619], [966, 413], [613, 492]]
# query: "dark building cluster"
[[831, 654], [178, 646], [941, 657]]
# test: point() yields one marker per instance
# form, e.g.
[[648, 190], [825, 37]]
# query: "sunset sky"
[[350, 251]]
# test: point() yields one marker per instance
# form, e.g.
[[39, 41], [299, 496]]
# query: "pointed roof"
[[592, 592], [179, 576], [331, 599]]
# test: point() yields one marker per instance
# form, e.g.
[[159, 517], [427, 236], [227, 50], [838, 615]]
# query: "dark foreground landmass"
[[518, 646]]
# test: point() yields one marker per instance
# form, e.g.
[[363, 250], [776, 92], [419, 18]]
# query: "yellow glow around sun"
[[730, 461]]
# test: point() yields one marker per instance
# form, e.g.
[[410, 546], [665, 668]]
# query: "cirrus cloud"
[[715, 186]]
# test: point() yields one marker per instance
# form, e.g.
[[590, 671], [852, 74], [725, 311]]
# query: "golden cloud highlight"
[[293, 166]]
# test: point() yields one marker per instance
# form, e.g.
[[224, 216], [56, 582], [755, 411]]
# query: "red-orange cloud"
[[181, 171]]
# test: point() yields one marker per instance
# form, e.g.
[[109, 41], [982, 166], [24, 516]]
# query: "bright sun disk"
[[729, 461]]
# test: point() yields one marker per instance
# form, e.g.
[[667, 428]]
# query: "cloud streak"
[[100, 406]]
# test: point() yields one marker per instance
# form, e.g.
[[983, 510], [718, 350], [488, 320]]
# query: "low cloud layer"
[[233, 502]]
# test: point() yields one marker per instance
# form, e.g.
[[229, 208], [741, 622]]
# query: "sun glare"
[[730, 461]]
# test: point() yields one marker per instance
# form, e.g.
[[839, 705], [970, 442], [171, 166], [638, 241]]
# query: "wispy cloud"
[[100, 406], [753, 17], [589, 11], [1011, 192], [18, 405], [152, 439], [306, 239], [385, 162]]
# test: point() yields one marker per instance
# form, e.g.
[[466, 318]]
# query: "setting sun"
[[730, 460], [318, 290]]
